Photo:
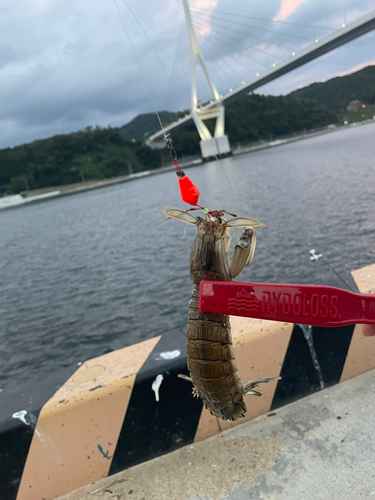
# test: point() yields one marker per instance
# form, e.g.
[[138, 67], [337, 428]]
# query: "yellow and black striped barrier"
[[85, 423]]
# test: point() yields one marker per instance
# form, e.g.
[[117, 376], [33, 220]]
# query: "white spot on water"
[[169, 354], [156, 385]]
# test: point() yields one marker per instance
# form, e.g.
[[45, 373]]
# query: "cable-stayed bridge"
[[316, 46]]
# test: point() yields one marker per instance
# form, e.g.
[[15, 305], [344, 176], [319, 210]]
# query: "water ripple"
[[79, 275]]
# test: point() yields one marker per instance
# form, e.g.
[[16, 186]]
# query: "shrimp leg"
[[248, 388]]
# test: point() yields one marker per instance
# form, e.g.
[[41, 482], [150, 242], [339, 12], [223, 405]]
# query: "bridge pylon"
[[218, 145]]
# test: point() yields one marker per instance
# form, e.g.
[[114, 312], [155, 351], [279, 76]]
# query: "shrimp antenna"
[[153, 232]]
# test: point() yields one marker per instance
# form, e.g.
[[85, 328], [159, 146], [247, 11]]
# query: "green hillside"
[[257, 117], [145, 124], [93, 153], [337, 93], [100, 153]]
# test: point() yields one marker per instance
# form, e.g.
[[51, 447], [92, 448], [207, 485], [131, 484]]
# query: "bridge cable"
[[160, 63], [265, 20], [262, 29], [248, 36], [223, 66], [212, 58], [248, 46], [218, 62], [244, 55], [207, 45], [251, 37], [167, 140]]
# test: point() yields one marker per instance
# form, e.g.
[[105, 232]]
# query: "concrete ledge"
[[318, 448], [128, 406]]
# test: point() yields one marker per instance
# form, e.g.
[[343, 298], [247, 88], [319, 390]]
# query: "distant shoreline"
[[57, 191]]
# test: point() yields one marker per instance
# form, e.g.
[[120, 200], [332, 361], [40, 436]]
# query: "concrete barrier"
[[43, 196], [85, 423], [11, 201]]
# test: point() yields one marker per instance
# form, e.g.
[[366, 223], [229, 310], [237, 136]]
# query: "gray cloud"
[[67, 65]]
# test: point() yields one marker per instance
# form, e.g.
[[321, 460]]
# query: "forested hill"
[[338, 92], [144, 125], [90, 154], [101, 153], [258, 117]]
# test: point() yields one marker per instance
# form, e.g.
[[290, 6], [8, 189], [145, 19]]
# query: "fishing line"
[[332, 269], [164, 71], [161, 125], [138, 61], [160, 63], [158, 58], [153, 48], [178, 66], [315, 257]]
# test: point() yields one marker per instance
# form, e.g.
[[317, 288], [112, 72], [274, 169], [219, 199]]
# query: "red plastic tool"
[[305, 304]]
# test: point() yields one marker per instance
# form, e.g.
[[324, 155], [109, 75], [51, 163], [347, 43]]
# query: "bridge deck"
[[330, 42]]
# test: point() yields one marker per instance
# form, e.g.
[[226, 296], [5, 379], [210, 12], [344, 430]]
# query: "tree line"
[[97, 153], [90, 154]]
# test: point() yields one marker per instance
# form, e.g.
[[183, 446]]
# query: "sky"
[[66, 65]]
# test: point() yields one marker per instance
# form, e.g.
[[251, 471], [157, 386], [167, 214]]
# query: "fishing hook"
[[169, 145]]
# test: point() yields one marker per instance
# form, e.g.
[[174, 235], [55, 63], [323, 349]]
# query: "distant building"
[[354, 105]]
